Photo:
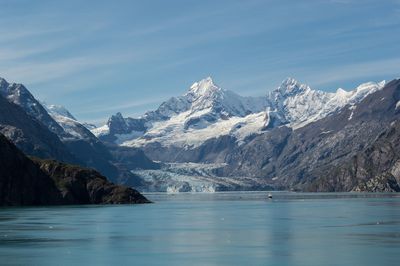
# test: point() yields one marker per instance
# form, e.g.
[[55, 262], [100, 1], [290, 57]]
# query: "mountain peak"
[[3, 83], [204, 85], [292, 86], [117, 116], [289, 80], [57, 110]]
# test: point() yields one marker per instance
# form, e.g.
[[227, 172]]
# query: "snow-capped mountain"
[[354, 149], [297, 105], [189, 117], [71, 126], [75, 137], [208, 111], [56, 118], [58, 110], [19, 95]]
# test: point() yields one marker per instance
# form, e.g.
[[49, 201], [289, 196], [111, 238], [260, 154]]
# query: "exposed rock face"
[[376, 169], [21, 181], [30, 135], [79, 185], [355, 149], [25, 181], [132, 158]]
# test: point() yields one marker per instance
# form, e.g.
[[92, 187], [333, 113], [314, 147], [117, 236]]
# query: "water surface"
[[209, 229]]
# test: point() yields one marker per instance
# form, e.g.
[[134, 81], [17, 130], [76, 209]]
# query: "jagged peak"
[[291, 85], [341, 91], [115, 118], [117, 115], [289, 81], [3, 82], [203, 86]]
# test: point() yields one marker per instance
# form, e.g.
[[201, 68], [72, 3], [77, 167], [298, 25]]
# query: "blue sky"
[[100, 57]]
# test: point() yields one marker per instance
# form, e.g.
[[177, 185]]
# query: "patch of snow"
[[121, 138], [397, 105], [57, 110], [100, 131], [172, 132], [70, 126], [351, 115]]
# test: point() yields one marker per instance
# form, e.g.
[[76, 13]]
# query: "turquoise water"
[[209, 229]]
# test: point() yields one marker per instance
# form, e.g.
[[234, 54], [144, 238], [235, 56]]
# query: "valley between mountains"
[[212, 139]]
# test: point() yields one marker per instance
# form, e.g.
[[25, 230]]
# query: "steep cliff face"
[[25, 181]]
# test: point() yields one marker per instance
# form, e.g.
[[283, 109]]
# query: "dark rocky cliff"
[[25, 181]]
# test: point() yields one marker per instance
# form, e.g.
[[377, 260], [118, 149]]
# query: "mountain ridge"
[[294, 137], [77, 143], [208, 111]]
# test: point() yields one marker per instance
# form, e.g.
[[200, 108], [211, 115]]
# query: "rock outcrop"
[[31, 181]]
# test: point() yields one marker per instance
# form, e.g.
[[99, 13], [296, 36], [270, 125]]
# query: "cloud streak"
[[386, 67], [94, 57]]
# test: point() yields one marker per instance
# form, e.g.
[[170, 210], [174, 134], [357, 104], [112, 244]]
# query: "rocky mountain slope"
[[316, 157], [25, 181], [73, 141], [78, 139], [30, 135]]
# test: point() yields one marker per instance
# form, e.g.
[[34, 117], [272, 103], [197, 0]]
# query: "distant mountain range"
[[49, 131], [207, 111], [211, 138]]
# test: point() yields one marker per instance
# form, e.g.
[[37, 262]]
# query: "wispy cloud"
[[120, 106], [79, 54], [36, 72], [385, 67]]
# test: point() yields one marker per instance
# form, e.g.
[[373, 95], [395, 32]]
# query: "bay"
[[232, 228]]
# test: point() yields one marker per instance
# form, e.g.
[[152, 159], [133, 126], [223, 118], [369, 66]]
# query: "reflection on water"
[[209, 229]]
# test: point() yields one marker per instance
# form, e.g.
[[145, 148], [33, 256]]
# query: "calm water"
[[209, 229]]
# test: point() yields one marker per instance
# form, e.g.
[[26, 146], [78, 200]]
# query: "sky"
[[101, 57]]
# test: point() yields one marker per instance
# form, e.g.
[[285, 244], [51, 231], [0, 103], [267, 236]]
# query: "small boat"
[[269, 195]]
